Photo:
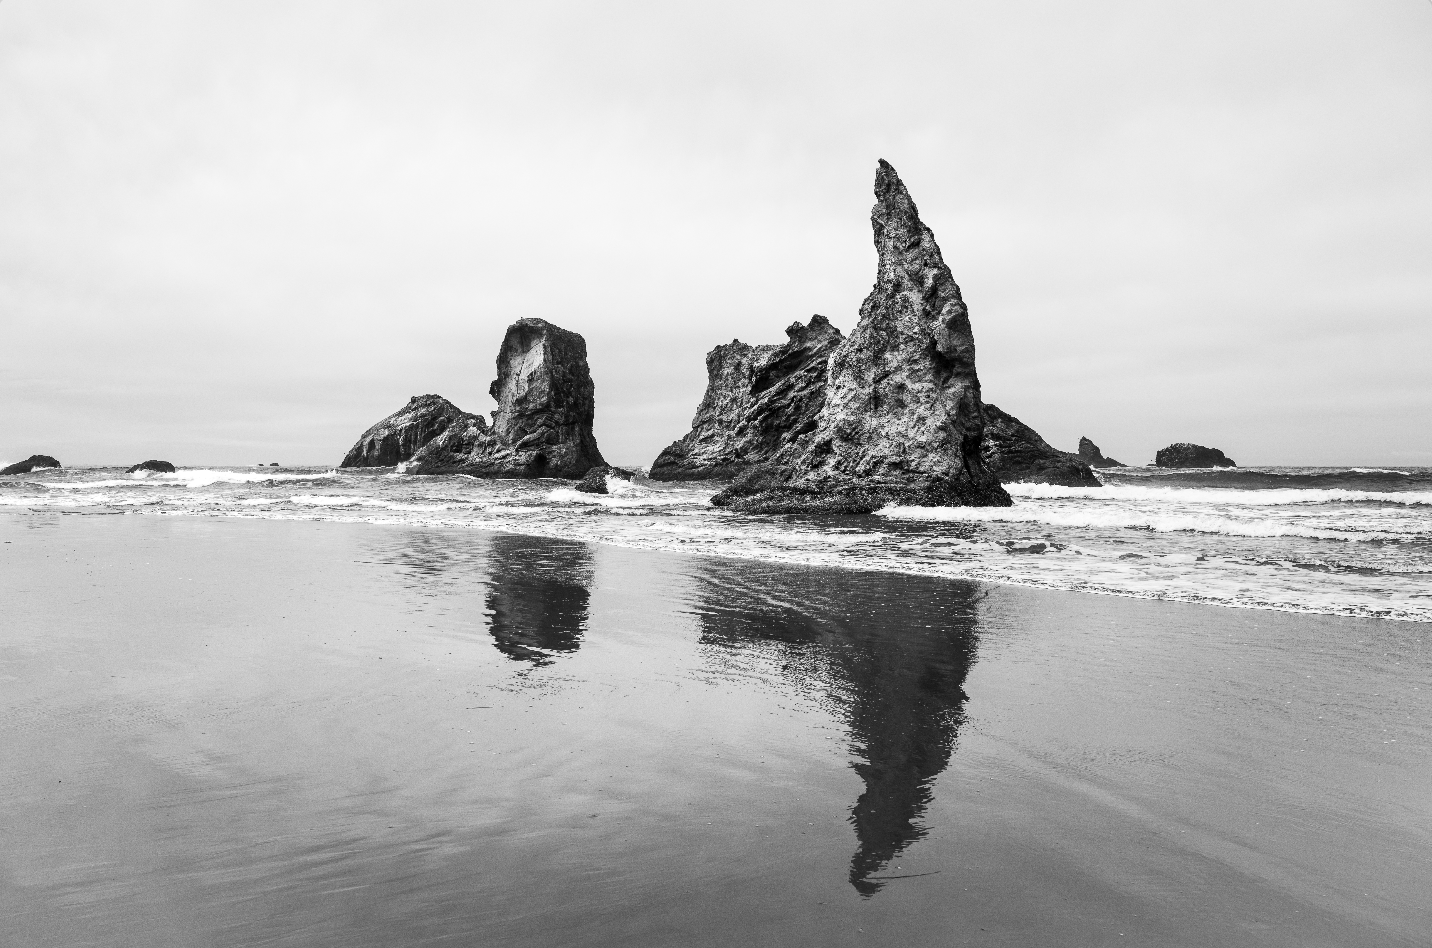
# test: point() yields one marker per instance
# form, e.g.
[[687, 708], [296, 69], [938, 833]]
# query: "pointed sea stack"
[[758, 400], [1183, 454], [398, 437], [1092, 456], [1015, 453], [543, 423], [901, 421]]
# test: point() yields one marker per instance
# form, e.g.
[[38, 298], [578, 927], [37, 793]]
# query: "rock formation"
[[158, 467], [758, 400], [32, 463], [595, 480], [1016, 453], [398, 437], [543, 423], [1092, 456], [901, 421], [1183, 454]]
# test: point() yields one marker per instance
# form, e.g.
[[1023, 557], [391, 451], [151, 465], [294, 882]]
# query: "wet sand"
[[245, 732]]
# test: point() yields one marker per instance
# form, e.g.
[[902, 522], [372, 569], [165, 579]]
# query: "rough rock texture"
[[398, 437], [758, 400], [1183, 454], [543, 423], [901, 421], [1092, 456], [595, 480], [1017, 454], [31, 463], [158, 467]]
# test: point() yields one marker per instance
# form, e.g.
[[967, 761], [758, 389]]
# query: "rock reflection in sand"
[[892, 656], [538, 596]]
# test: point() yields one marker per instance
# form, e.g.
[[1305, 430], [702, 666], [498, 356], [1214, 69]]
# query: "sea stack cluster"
[[893, 414], [822, 423]]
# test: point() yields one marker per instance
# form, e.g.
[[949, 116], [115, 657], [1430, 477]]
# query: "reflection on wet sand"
[[890, 651], [538, 596]]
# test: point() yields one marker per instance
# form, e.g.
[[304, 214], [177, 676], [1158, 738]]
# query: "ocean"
[[1334, 541]]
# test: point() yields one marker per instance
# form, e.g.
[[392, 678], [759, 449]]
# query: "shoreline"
[[554, 532]]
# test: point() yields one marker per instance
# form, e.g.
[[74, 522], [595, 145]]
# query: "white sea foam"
[[1276, 497], [1122, 518]]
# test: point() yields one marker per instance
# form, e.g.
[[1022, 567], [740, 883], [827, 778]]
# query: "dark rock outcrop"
[[901, 421], [402, 434], [758, 400], [158, 467], [1015, 453], [595, 480], [543, 423], [1183, 454], [32, 463], [1092, 456]]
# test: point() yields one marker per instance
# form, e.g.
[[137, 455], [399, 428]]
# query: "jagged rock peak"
[[33, 463], [1092, 456], [543, 423], [758, 399], [901, 421], [1016, 453], [1183, 454], [398, 437]]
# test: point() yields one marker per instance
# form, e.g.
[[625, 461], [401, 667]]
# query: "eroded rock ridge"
[[402, 434], [759, 400], [1017, 454]]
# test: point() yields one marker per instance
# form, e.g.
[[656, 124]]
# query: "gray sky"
[[242, 232]]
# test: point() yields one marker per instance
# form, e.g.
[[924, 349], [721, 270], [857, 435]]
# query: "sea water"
[[1337, 541]]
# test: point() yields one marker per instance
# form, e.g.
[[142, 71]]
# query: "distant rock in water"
[[901, 421], [595, 480], [34, 462], [158, 467], [1092, 456], [543, 423], [758, 400], [1184, 454], [398, 437], [1017, 454]]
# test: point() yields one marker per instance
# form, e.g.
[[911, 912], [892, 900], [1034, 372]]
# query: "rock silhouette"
[[158, 467], [901, 421], [1092, 456], [1017, 454], [32, 463], [891, 652], [759, 399], [538, 600], [398, 437], [543, 423], [1183, 454]]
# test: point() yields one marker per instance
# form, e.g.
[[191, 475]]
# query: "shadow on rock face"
[[538, 596], [890, 651]]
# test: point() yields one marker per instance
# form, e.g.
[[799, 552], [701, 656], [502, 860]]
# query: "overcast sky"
[[233, 233]]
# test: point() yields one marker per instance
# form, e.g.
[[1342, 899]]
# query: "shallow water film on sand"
[[1338, 541], [255, 732]]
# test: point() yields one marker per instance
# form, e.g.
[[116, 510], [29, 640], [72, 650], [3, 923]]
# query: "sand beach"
[[262, 732]]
